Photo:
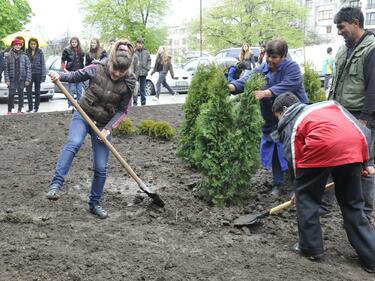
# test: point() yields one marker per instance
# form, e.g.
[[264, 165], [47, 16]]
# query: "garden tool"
[[154, 196], [251, 219]]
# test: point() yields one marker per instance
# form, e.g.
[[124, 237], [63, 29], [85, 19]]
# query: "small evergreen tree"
[[197, 96], [246, 138], [312, 84], [212, 143]]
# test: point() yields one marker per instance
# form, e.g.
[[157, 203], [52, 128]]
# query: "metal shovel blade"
[[250, 219]]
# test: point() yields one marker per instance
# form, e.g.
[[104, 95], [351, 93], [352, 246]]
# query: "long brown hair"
[[78, 44], [95, 51], [245, 54]]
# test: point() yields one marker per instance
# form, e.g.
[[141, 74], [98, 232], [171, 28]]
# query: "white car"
[[47, 90], [180, 83]]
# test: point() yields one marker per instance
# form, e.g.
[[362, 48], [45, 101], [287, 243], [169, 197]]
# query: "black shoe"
[[277, 190], [29, 110], [99, 212], [295, 248], [53, 192], [369, 269], [35, 110]]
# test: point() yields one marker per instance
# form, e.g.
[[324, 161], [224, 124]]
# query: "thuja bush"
[[245, 139], [156, 129], [124, 128], [312, 84], [197, 96], [213, 146]]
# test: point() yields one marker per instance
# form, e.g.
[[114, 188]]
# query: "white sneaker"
[[155, 99]]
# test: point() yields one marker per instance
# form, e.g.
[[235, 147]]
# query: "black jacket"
[[38, 64], [71, 62]]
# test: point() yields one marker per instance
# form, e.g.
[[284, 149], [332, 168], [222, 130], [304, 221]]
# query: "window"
[[325, 15], [328, 29], [370, 4], [355, 3], [370, 19]]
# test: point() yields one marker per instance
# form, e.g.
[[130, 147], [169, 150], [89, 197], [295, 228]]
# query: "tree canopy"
[[128, 19], [14, 15], [233, 22]]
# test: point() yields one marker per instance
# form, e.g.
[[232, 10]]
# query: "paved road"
[[59, 103]]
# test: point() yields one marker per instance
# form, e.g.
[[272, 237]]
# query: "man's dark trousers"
[[310, 184], [142, 92]]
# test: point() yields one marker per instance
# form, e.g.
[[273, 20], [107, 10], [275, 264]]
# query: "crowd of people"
[[331, 140], [26, 69]]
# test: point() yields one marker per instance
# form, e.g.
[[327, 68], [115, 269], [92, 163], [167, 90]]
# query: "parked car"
[[192, 66], [180, 83], [54, 63], [196, 54], [47, 90], [235, 53]]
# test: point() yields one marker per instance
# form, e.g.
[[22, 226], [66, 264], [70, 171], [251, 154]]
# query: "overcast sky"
[[55, 18]]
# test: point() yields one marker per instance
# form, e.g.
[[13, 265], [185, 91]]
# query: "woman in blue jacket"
[[282, 75], [38, 73]]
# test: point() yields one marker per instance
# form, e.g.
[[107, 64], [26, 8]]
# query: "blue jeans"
[[78, 130], [75, 90], [142, 93]]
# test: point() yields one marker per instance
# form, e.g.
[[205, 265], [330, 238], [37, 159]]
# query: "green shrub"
[[125, 128], [156, 129], [212, 142], [144, 127], [312, 84], [197, 96], [245, 139]]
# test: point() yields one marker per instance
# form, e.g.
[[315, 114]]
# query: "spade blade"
[[250, 219]]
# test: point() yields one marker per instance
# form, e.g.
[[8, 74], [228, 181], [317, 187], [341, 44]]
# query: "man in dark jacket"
[[353, 84], [17, 74], [142, 69], [320, 140]]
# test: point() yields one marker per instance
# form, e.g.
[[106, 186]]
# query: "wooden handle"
[[101, 136], [289, 203], [281, 207]]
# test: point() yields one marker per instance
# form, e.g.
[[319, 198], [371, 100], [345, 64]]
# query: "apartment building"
[[320, 16]]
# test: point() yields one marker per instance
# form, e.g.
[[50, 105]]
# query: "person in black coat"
[[38, 73], [96, 53], [72, 60]]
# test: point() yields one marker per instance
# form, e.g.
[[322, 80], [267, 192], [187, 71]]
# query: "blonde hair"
[[163, 55], [245, 54]]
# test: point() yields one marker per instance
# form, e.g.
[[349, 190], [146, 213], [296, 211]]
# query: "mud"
[[187, 240]]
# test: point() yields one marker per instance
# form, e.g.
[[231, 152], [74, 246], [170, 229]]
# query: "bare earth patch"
[[187, 240]]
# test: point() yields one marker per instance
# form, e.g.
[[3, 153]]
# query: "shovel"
[[155, 197], [251, 219]]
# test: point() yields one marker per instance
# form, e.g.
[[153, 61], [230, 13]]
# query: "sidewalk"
[[59, 103]]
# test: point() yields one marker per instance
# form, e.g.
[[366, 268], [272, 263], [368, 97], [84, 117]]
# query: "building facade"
[[319, 21]]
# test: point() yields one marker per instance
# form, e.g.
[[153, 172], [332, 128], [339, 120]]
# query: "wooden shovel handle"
[[99, 133], [289, 203]]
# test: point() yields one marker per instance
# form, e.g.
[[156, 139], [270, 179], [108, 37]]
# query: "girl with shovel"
[[106, 102]]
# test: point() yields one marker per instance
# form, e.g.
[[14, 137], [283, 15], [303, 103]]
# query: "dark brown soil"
[[188, 240]]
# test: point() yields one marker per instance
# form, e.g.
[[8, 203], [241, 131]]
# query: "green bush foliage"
[[227, 141], [312, 84], [212, 142], [197, 96], [246, 138], [156, 129], [125, 128]]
